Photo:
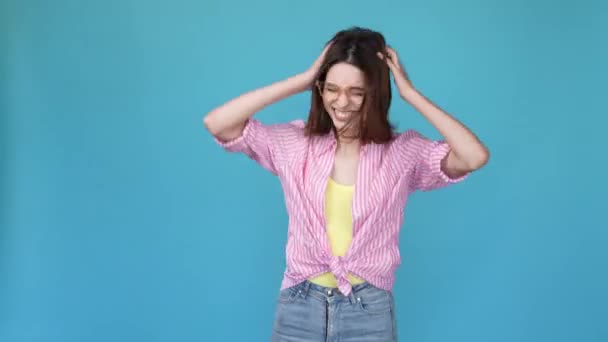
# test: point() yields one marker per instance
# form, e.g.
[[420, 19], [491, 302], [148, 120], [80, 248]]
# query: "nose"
[[342, 100]]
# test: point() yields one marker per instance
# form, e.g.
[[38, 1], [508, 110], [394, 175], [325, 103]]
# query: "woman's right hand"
[[311, 74], [228, 120]]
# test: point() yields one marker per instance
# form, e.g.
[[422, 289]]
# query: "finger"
[[392, 54], [324, 52], [386, 59], [325, 49], [391, 64]]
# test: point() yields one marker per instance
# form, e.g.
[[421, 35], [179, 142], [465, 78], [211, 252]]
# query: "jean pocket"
[[374, 301], [288, 295]]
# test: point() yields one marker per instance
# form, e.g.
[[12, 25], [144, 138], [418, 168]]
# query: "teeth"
[[342, 115]]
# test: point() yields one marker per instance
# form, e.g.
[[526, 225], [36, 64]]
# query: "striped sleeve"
[[270, 146], [425, 157]]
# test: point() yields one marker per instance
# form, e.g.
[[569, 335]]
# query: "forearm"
[[232, 115], [464, 144]]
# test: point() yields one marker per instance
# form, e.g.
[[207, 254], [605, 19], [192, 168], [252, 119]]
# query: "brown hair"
[[358, 47]]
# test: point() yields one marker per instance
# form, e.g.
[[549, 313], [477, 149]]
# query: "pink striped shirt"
[[387, 174]]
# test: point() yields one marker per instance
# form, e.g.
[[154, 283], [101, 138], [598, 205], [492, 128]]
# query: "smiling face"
[[343, 93], [353, 92]]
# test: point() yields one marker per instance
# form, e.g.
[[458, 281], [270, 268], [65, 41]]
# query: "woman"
[[346, 176]]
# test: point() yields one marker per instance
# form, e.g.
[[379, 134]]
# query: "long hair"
[[358, 47]]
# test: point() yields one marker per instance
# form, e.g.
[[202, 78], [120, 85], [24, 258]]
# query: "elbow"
[[480, 160], [209, 125], [219, 130]]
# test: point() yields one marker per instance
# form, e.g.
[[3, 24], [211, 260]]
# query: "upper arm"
[[230, 134], [453, 166]]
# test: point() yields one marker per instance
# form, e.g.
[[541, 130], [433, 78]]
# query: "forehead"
[[345, 75]]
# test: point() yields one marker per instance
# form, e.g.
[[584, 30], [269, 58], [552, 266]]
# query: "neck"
[[348, 146]]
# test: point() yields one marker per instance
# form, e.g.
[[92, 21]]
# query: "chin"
[[338, 124], [341, 122]]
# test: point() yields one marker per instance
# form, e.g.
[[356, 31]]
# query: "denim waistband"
[[308, 288]]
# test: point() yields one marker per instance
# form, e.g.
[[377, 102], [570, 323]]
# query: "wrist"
[[303, 80], [408, 93]]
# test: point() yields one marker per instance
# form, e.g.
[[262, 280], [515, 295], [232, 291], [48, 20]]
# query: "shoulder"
[[410, 135], [284, 136], [409, 140], [276, 130], [293, 127], [292, 130]]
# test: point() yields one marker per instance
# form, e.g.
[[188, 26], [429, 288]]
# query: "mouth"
[[342, 115]]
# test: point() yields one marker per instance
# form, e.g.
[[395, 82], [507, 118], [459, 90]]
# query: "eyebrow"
[[335, 85]]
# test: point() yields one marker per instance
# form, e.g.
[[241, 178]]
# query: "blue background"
[[121, 220]]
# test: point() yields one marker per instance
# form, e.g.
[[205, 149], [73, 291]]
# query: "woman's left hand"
[[404, 85], [467, 153]]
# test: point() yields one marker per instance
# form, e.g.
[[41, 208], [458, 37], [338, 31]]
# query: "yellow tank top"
[[338, 202]]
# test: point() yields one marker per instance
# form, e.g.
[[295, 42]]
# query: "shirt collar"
[[327, 143]]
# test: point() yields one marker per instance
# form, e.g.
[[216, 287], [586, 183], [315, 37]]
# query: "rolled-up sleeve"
[[425, 157], [268, 145]]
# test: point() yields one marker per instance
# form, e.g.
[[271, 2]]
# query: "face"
[[343, 92]]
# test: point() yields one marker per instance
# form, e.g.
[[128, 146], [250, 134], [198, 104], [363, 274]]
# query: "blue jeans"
[[309, 312]]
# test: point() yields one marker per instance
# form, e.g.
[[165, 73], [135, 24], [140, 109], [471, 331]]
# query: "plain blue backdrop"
[[122, 220]]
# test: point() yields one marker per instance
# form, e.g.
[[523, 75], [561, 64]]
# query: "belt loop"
[[351, 297], [305, 289]]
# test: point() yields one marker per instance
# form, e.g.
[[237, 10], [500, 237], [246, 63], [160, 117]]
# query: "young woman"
[[346, 177]]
